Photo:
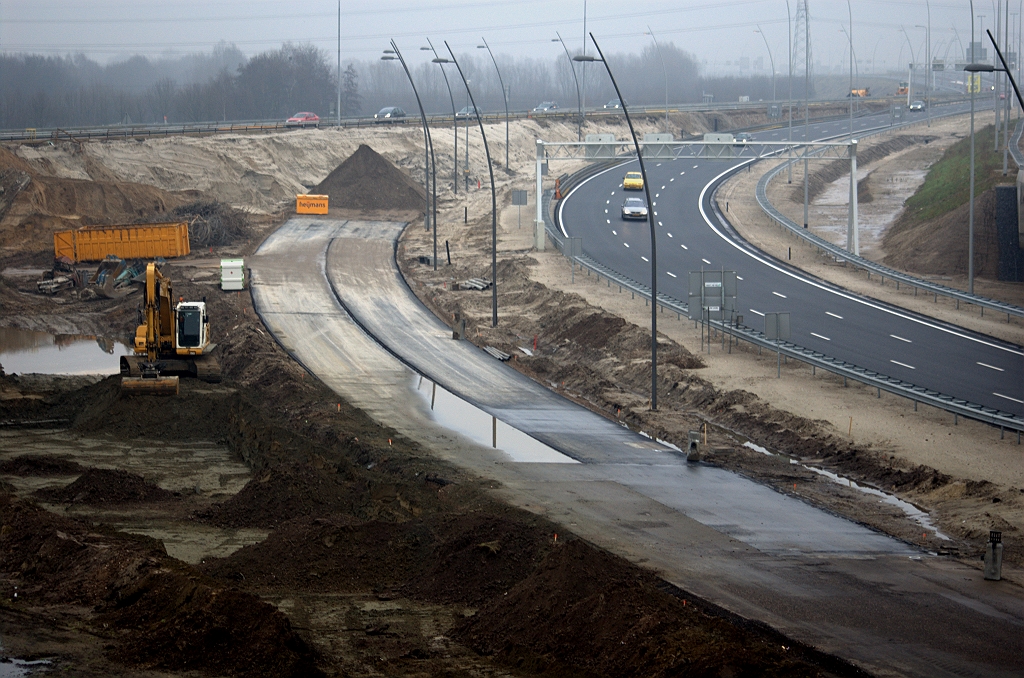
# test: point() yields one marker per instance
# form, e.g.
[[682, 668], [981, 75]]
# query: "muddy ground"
[[333, 545]]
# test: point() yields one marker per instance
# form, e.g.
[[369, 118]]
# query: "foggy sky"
[[719, 34]]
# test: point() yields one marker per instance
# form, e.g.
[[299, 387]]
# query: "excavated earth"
[[332, 545]]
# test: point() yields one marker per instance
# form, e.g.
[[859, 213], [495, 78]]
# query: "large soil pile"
[[34, 205], [939, 246], [583, 610], [106, 486], [366, 181]]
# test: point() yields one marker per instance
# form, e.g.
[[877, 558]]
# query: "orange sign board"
[[311, 204]]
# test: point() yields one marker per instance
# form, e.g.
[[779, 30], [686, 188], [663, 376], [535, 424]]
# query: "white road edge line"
[[897, 362], [901, 338], [820, 336], [992, 367], [850, 297]]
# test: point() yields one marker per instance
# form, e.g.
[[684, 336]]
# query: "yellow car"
[[634, 181]]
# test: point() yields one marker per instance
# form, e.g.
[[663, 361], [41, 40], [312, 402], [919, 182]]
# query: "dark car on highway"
[[389, 114]]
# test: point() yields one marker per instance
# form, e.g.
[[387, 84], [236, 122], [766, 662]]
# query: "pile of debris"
[[111, 280]]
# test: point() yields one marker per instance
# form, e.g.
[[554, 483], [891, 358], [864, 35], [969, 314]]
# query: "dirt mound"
[[939, 246], [105, 486], [295, 490], [40, 465], [153, 610], [478, 557], [103, 408], [335, 553], [455, 558], [366, 181], [584, 610]]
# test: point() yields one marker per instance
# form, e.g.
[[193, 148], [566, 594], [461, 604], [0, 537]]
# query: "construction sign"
[[311, 204], [973, 83]]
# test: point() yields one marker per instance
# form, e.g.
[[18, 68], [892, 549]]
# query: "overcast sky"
[[715, 32]]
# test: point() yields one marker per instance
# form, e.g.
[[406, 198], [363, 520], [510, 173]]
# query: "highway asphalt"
[[323, 286], [691, 237]]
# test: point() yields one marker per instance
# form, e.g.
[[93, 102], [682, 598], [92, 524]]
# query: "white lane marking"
[[609, 201], [820, 336], [992, 367], [645, 259], [897, 362], [626, 244], [757, 312], [739, 278], [613, 192], [658, 165], [669, 235], [695, 166], [834, 315], [706, 262], [663, 188], [655, 214], [661, 224], [682, 173], [672, 179], [608, 220], [684, 246], [657, 195], [848, 297], [671, 274], [779, 294], [901, 338], [1008, 398], [606, 210], [614, 232]]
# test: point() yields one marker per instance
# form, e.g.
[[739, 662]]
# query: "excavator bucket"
[[159, 386]]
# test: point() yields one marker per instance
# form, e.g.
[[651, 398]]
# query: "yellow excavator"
[[172, 340]]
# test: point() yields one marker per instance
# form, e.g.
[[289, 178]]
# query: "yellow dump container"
[[311, 204], [136, 241]]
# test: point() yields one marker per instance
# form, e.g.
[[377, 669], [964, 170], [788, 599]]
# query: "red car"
[[303, 120]]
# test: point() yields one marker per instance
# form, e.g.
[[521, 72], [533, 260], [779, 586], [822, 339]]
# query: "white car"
[[917, 106], [634, 208]]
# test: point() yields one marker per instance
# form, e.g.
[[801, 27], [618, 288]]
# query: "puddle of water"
[[30, 352], [452, 412], [911, 511], [18, 668]]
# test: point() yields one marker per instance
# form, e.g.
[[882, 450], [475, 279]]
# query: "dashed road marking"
[[992, 367], [820, 336], [779, 294], [834, 315], [897, 362], [1008, 398]]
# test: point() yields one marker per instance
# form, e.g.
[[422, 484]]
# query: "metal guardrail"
[[841, 254], [120, 131], [905, 389]]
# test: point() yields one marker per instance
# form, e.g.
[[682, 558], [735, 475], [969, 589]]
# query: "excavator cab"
[[193, 328]]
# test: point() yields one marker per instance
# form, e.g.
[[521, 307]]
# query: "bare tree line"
[[73, 91]]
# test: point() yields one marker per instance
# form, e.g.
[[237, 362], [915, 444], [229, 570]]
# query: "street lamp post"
[[391, 55], [579, 100], [770, 59], [910, 71], [494, 195], [504, 97], [664, 70], [983, 68], [650, 221], [789, 58], [455, 122]]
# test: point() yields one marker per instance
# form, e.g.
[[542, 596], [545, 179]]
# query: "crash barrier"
[[817, 360], [130, 131], [135, 241], [311, 204], [842, 255]]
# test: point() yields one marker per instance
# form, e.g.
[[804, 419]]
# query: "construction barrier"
[[136, 241], [311, 204]]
